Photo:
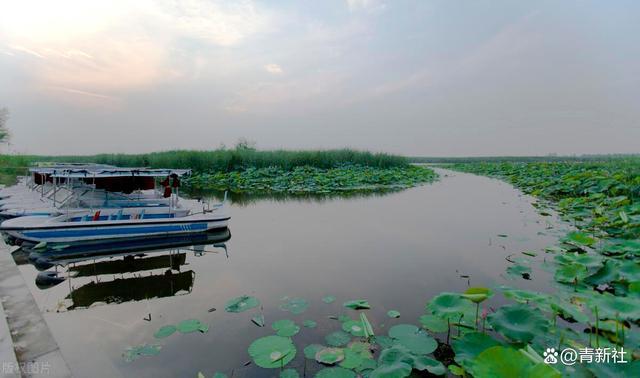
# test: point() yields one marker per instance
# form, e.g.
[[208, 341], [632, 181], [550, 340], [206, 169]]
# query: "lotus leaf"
[[311, 350], [219, 375], [393, 314], [330, 356], [518, 322], [338, 338], [357, 304], [568, 311], [272, 351], [617, 307], [165, 331], [354, 327], [470, 346], [329, 299], [285, 327], [450, 305], [191, 325], [571, 273], [309, 324], [504, 362], [289, 373], [524, 296], [414, 339], [580, 238], [517, 270], [335, 372], [433, 323], [241, 303], [478, 294], [258, 320], [133, 353], [368, 329], [295, 305]]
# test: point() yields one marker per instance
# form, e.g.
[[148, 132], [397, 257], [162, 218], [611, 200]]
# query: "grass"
[[225, 160]]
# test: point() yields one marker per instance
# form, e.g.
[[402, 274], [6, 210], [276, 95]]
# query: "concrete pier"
[[27, 347]]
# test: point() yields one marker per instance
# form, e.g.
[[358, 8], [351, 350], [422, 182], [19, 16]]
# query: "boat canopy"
[[118, 172]]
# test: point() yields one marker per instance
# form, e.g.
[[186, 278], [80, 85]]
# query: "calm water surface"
[[396, 251]]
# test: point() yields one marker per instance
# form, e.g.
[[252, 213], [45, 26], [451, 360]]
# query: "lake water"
[[396, 251]]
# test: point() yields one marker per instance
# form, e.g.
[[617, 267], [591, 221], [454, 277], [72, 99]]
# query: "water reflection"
[[121, 271], [245, 199]]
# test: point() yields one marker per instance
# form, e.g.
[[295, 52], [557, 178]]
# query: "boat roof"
[[53, 167], [118, 172]]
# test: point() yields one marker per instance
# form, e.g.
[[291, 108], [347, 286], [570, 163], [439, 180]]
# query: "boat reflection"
[[122, 271]]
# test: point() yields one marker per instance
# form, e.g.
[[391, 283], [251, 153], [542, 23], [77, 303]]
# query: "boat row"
[[66, 203]]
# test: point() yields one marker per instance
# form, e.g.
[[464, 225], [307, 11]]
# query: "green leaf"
[[311, 350], [272, 351], [330, 356], [165, 331], [241, 303], [258, 320], [309, 324], [357, 304], [354, 327], [393, 314], [450, 305], [470, 346], [289, 373], [433, 323], [191, 325], [335, 372], [285, 327], [478, 294], [504, 362], [295, 305], [338, 338], [518, 322], [329, 299], [414, 339]]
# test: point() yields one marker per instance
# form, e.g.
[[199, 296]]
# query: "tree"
[[4, 117]]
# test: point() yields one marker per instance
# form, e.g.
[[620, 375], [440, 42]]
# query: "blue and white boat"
[[131, 219], [113, 224]]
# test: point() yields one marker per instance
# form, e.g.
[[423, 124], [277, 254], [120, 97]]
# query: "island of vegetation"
[[247, 170]]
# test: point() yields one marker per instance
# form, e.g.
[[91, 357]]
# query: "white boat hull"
[[105, 230]]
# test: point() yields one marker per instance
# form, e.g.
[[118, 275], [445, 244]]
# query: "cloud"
[[368, 5], [100, 48], [273, 68]]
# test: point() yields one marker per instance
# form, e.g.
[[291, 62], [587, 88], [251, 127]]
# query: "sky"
[[418, 78]]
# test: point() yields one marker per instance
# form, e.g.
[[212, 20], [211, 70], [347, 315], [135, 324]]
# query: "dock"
[[27, 346]]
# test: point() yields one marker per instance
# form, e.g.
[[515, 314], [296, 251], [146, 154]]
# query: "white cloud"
[[98, 47], [369, 5], [273, 68]]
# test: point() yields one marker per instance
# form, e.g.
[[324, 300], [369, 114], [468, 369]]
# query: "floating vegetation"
[[353, 327], [595, 267], [242, 303], [272, 351], [307, 180], [165, 331], [357, 304], [335, 372], [310, 351], [416, 341], [338, 338], [295, 305], [289, 373], [258, 320], [330, 356], [285, 327], [393, 314], [309, 324], [133, 353], [192, 325], [329, 299]]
